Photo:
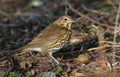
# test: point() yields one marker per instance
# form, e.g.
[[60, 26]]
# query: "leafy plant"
[[14, 74]]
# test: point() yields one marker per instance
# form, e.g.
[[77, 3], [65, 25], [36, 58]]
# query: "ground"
[[89, 53]]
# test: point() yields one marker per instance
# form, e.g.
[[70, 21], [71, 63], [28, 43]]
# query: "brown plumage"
[[52, 38]]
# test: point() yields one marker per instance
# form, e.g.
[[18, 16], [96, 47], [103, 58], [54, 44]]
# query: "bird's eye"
[[65, 19]]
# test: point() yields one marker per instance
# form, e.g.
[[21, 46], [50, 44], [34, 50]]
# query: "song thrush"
[[52, 38]]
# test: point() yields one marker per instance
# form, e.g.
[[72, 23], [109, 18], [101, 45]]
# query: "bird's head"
[[64, 21]]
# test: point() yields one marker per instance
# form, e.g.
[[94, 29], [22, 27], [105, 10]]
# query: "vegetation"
[[94, 48]]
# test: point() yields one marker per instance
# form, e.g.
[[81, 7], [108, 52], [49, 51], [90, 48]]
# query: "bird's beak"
[[72, 21]]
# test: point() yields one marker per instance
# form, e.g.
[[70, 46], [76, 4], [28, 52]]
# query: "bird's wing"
[[46, 38]]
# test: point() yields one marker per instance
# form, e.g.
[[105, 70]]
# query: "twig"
[[110, 42], [109, 1], [3, 13], [97, 48], [92, 20], [110, 54], [101, 47], [115, 35], [93, 11]]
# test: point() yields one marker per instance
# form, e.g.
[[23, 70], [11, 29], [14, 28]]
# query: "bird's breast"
[[61, 41]]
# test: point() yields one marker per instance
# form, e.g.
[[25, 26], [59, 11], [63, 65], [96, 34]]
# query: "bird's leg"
[[50, 54]]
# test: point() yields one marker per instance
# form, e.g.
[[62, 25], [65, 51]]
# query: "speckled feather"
[[52, 38]]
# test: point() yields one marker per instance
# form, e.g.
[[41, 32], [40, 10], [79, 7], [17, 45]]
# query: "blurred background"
[[90, 49], [21, 20]]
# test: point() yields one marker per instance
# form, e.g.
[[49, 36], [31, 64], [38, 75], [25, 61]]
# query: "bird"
[[52, 38]]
